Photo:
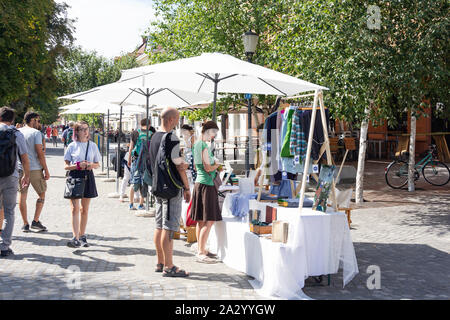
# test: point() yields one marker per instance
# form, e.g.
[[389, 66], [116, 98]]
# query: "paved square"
[[409, 243]]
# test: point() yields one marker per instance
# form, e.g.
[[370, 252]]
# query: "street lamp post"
[[250, 40]]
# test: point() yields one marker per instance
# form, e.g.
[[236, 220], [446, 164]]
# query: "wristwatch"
[[186, 189]]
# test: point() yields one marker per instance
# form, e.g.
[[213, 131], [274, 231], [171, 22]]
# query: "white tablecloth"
[[318, 244]]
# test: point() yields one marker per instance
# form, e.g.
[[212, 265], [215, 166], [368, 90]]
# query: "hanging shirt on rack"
[[318, 136], [287, 161], [271, 146], [286, 135], [299, 143], [270, 139]]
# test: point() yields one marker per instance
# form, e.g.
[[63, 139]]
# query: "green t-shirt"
[[203, 177]]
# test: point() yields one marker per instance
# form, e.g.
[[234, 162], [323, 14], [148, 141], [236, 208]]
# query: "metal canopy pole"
[[216, 82], [148, 147], [107, 146], [103, 144], [249, 128], [118, 151]]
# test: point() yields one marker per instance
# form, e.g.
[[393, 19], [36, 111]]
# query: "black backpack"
[[8, 152], [165, 184]]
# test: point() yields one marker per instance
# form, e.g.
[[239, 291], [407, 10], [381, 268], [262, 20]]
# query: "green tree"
[[34, 35], [189, 28], [371, 72], [83, 70]]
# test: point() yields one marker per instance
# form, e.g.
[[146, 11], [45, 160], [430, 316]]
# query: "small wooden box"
[[260, 229], [271, 214], [280, 231], [191, 236]]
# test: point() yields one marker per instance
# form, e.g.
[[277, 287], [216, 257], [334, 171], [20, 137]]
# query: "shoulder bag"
[[75, 186]]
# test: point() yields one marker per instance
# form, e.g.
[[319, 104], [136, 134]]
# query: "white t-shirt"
[[32, 138], [76, 152]]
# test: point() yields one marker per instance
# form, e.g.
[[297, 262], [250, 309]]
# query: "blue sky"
[[110, 27]]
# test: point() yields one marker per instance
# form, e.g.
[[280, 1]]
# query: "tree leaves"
[[34, 35], [325, 42]]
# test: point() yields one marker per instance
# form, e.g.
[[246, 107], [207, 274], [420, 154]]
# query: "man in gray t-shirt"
[[8, 185], [39, 173]]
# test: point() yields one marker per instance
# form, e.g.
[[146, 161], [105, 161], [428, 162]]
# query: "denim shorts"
[[168, 213]]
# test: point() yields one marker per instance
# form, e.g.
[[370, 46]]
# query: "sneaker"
[[132, 207], [141, 207], [83, 241], [74, 243], [5, 253], [26, 228], [38, 226]]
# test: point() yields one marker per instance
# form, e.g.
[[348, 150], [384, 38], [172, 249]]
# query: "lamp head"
[[250, 40]]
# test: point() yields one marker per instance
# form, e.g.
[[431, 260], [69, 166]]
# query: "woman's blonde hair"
[[76, 128]]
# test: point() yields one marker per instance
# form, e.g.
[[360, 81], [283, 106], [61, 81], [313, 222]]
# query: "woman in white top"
[[81, 157]]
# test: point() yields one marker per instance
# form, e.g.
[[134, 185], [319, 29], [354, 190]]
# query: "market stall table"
[[318, 244]]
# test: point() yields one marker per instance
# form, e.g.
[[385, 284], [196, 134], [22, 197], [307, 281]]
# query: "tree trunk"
[[361, 159], [412, 152]]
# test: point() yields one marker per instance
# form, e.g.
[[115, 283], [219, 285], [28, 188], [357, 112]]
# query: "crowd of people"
[[154, 161]]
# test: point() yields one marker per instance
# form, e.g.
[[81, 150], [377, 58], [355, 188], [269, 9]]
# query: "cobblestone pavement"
[[409, 243]]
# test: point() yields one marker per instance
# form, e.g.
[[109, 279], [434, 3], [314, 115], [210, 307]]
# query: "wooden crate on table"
[[260, 229]]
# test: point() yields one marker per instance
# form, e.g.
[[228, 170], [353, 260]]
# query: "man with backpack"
[[67, 136], [169, 185], [12, 147], [138, 139], [39, 173]]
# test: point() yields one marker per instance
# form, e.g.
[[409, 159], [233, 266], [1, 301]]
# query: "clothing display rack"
[[318, 101]]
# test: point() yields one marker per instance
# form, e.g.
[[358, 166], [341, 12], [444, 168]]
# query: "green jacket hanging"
[[285, 149]]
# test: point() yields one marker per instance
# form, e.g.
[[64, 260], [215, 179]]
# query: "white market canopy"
[[200, 73], [92, 106], [123, 93]]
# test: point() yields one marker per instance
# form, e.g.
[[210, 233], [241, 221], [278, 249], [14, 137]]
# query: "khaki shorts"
[[36, 180]]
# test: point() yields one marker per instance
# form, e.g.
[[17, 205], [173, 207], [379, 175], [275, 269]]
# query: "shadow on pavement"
[[436, 215], [68, 236], [222, 277], [66, 262], [112, 250], [412, 271]]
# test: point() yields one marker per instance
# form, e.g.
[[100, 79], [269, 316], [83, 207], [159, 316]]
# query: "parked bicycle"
[[434, 171]]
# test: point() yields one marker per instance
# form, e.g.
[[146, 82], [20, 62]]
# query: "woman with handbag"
[[80, 157], [205, 202]]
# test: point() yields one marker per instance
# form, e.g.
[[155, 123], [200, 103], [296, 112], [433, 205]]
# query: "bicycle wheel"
[[436, 173], [397, 174]]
